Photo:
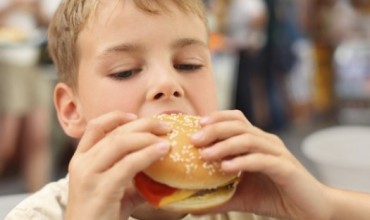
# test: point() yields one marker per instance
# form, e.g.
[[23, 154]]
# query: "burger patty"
[[204, 192]]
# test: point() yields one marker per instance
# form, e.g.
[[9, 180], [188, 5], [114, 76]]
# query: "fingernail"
[[227, 165], [204, 120], [197, 136], [206, 153], [163, 146]]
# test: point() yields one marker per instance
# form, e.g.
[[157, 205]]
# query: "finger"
[[148, 124], [223, 130], [240, 145], [125, 169], [127, 138], [97, 128], [225, 115], [274, 167], [217, 132], [114, 148], [122, 141], [230, 115], [132, 199]]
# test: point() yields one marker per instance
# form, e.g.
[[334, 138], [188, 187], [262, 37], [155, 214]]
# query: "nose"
[[164, 87]]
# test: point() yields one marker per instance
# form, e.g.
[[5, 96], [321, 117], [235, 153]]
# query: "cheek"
[[106, 100], [210, 96], [125, 101], [204, 96]]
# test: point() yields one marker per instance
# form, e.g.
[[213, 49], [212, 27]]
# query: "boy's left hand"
[[273, 182]]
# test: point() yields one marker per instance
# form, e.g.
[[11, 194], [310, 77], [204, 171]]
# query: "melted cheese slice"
[[159, 194], [177, 196]]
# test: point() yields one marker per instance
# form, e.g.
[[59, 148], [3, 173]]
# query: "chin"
[[181, 181]]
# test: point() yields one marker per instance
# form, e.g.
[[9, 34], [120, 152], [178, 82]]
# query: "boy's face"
[[144, 64]]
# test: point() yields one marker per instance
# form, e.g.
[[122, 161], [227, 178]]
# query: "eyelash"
[[125, 74], [188, 67], [131, 73]]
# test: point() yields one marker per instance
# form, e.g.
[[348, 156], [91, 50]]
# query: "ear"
[[69, 114]]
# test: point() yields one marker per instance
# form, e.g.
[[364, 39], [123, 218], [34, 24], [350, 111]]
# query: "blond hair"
[[72, 16]]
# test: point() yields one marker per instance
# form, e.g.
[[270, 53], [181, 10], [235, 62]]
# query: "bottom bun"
[[201, 203]]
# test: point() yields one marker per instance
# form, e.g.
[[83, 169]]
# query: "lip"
[[168, 112]]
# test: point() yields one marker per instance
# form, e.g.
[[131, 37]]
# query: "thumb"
[[132, 197]]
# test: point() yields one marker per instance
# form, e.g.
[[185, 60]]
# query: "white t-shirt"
[[51, 201]]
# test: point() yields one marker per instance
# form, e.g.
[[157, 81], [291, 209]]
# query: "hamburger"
[[181, 181]]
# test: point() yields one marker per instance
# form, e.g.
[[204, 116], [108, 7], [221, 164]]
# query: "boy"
[[120, 62]]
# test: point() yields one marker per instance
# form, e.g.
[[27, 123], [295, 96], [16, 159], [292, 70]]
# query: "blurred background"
[[294, 67]]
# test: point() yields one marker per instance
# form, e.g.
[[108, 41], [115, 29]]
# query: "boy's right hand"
[[113, 149]]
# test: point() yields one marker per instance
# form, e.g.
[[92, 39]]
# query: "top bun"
[[183, 167]]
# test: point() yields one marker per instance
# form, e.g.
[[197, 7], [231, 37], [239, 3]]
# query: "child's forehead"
[[152, 7], [120, 22], [120, 13], [114, 6]]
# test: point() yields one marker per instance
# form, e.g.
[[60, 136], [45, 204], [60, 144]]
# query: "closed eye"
[[188, 67], [125, 74]]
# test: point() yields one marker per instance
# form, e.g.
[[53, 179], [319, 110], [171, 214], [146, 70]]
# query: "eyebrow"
[[121, 48], [183, 42], [131, 48]]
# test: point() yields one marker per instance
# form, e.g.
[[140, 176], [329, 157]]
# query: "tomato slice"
[[151, 190]]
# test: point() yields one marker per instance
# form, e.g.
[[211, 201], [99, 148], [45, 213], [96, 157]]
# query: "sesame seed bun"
[[181, 181], [183, 167]]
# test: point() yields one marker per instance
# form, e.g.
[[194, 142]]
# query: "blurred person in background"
[[283, 36], [316, 22], [300, 74], [347, 20], [24, 92], [217, 11], [330, 24], [263, 33], [351, 58], [246, 23]]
